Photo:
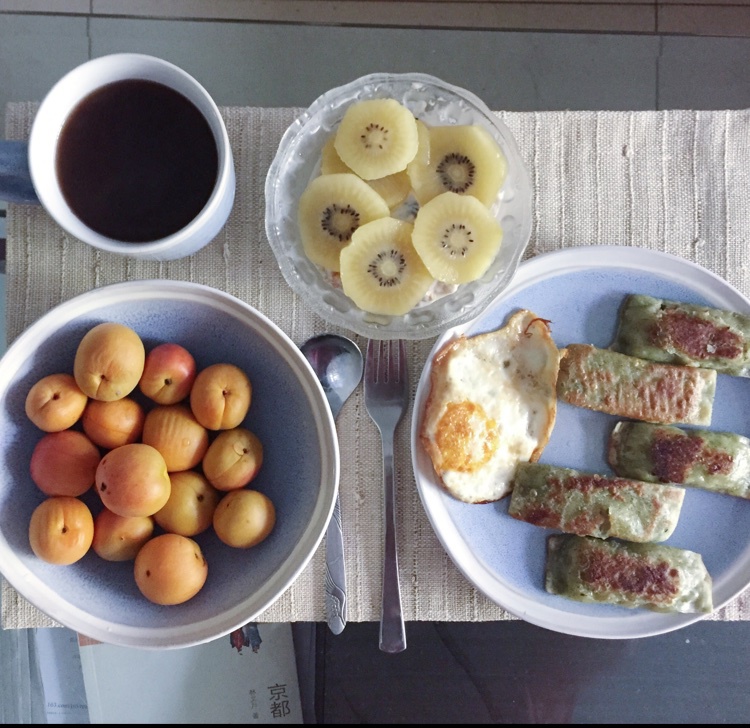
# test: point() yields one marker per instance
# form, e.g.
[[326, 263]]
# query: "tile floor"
[[289, 65], [694, 17]]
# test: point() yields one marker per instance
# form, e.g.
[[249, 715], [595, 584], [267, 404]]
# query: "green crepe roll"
[[627, 386], [684, 333], [715, 461], [590, 504], [635, 575]]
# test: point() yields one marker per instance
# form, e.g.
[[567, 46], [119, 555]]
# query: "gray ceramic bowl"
[[300, 470], [298, 161]]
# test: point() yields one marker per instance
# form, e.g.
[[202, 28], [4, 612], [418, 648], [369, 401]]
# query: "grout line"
[[3, 235], [632, 16], [702, 18]]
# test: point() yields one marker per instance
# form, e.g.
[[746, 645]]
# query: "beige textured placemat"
[[675, 181]]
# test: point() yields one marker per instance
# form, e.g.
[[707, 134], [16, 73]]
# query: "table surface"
[[494, 671]]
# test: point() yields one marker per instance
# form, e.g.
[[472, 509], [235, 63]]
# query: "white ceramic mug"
[[28, 170]]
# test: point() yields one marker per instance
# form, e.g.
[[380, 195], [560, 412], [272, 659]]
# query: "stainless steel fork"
[[386, 398]]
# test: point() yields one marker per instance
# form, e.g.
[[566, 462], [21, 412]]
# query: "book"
[[248, 676], [59, 663]]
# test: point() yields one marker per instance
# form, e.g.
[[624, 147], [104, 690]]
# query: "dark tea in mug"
[[136, 161]]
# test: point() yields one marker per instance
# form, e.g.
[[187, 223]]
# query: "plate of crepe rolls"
[[633, 518]]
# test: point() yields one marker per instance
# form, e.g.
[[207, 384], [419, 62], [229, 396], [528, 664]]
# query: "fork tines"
[[386, 361]]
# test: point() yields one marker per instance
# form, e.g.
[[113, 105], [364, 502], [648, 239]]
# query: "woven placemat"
[[674, 181]]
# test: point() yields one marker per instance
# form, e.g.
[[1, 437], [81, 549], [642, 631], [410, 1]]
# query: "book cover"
[[248, 676], [59, 663]]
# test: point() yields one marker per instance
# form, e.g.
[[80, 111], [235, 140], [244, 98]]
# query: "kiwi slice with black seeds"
[[464, 159], [457, 237], [331, 208], [381, 271], [377, 137]]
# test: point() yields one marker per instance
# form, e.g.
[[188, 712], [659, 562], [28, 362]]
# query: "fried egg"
[[492, 404]]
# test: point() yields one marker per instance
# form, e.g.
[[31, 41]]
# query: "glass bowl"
[[297, 161]]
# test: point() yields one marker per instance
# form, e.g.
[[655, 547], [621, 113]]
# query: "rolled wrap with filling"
[[634, 575], [715, 461], [623, 385], [683, 333], [589, 504]]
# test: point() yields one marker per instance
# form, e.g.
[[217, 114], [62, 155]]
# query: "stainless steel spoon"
[[338, 364]]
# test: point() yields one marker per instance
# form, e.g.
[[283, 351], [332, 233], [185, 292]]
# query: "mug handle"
[[15, 178]]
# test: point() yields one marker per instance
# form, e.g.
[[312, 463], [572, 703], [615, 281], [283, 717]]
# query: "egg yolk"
[[466, 437]]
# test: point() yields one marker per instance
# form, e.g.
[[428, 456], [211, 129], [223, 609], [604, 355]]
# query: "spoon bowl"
[[338, 364]]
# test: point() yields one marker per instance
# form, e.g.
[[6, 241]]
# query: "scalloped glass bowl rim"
[[297, 161]]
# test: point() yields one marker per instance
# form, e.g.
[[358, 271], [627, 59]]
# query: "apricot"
[[109, 361], [132, 480], [64, 463], [221, 396], [168, 374], [173, 430], [233, 459], [244, 518], [115, 423], [61, 530], [119, 538], [55, 402], [191, 505], [170, 569]]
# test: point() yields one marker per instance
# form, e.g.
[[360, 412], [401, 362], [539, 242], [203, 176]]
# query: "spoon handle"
[[335, 573]]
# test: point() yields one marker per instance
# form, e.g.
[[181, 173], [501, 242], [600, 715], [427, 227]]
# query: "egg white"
[[492, 404]]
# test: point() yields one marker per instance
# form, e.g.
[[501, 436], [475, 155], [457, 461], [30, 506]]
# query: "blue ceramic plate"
[[580, 290], [288, 412]]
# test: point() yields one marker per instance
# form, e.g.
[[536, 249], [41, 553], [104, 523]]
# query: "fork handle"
[[392, 631]]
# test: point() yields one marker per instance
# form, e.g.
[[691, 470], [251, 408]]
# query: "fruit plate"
[[297, 161], [580, 291], [288, 413]]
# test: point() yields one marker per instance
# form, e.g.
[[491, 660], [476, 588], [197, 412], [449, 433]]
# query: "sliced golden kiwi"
[[457, 237], [331, 208], [377, 137], [422, 157], [393, 188], [464, 159], [330, 162], [380, 270]]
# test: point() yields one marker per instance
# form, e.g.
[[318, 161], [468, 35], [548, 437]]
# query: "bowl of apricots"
[[169, 464]]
